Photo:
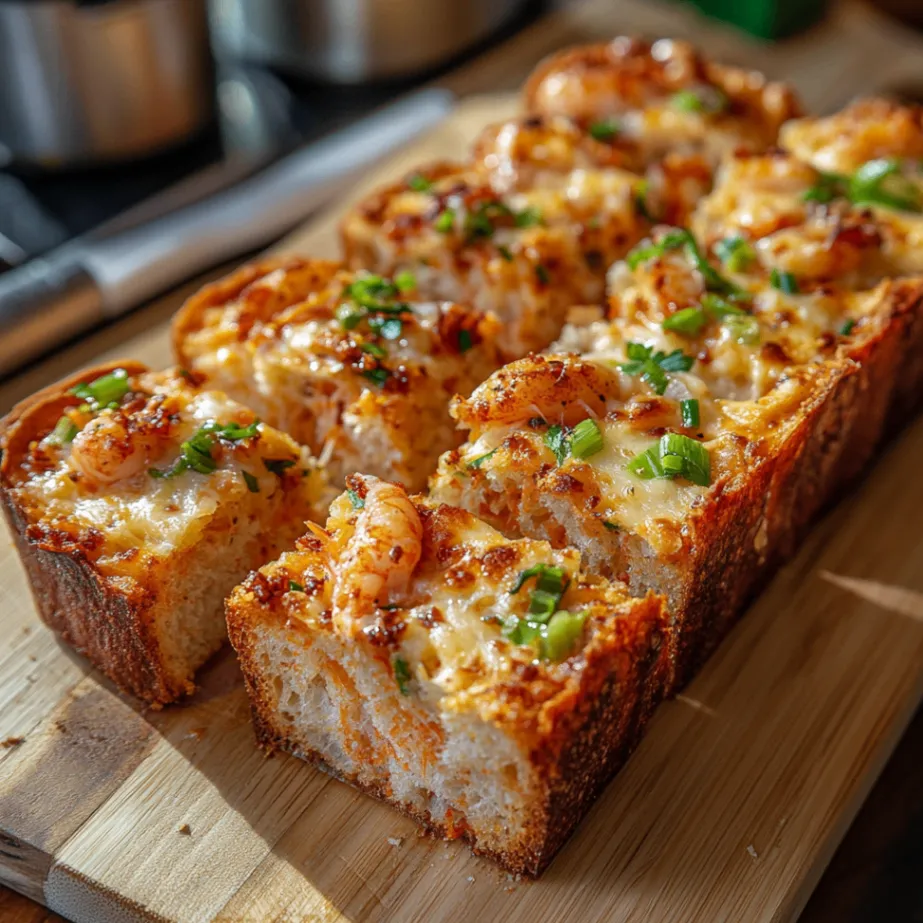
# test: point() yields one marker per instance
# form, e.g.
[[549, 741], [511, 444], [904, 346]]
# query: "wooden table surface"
[[873, 876]]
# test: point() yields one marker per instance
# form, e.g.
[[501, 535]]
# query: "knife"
[[97, 277]]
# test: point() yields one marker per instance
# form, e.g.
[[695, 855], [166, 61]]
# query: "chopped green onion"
[[64, 431], [689, 410], [556, 440], [295, 587], [465, 340], [196, 453], [746, 329], [505, 253], [829, 186], [528, 217], [372, 292], [104, 390], [551, 584], [348, 316], [373, 349], [611, 526], [653, 366], [278, 466], [253, 485], [357, 502], [405, 281], [378, 376], [647, 464], [881, 182], [675, 455], [477, 462], [419, 183], [641, 190], [784, 282], [735, 253], [445, 221], [708, 99], [402, 675], [586, 439], [687, 321], [604, 130], [542, 274], [847, 328], [562, 634], [674, 240]]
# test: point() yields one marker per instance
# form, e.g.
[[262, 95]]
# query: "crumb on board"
[[752, 852], [185, 830], [470, 879], [11, 742], [395, 840]]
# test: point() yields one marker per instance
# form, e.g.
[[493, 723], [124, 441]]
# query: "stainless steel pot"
[[83, 82], [349, 41]]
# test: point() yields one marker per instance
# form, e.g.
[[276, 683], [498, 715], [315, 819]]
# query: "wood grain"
[[729, 810]]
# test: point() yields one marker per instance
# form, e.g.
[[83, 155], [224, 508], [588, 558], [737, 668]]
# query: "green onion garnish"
[[745, 329], [465, 340], [687, 101], [357, 502], [562, 634], [708, 99], [348, 316], [611, 526], [64, 431], [253, 485], [528, 217], [405, 281], [278, 466], [784, 282], [542, 273], [419, 183], [689, 410], [373, 349], [402, 675], [586, 439], [653, 366], [445, 221], [604, 130], [505, 253], [551, 584], [847, 328], [881, 182], [378, 376], [196, 453], [673, 240], [829, 186], [673, 456], [108, 389], [735, 253], [477, 462], [295, 587], [687, 321]]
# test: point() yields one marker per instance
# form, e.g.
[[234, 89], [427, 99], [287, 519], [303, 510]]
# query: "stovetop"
[[260, 116]]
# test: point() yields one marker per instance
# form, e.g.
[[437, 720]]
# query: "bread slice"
[[131, 535], [773, 401], [392, 649], [615, 135], [663, 98], [353, 365]]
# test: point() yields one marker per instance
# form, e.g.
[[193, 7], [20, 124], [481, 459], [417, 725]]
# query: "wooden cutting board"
[[729, 810]]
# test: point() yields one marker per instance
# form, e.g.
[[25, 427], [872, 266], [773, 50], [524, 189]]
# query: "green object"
[[769, 19]]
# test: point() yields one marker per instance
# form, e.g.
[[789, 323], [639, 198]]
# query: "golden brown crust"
[[108, 624], [579, 727], [190, 317]]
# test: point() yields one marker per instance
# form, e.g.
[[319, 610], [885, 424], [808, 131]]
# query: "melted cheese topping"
[[101, 481]]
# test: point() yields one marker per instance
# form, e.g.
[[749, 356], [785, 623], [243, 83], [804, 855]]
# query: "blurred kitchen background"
[[107, 104]]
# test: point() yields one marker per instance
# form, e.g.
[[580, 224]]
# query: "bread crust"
[[578, 726]]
